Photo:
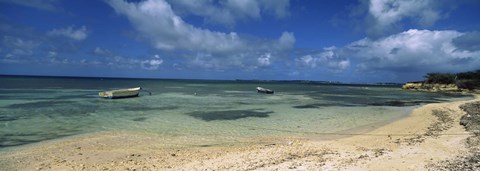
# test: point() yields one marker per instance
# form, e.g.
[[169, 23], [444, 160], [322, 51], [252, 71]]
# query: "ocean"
[[36, 109]]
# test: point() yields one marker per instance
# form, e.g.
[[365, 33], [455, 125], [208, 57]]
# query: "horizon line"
[[199, 79]]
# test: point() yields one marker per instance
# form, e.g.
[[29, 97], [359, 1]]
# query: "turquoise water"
[[34, 109]]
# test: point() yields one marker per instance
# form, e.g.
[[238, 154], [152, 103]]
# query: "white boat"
[[121, 93], [264, 90]]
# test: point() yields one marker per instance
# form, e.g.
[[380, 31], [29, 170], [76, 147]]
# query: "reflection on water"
[[37, 109]]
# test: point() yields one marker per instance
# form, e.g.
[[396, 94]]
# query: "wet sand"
[[432, 133]]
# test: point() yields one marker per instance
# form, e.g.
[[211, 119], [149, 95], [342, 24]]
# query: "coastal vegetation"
[[464, 80], [447, 82]]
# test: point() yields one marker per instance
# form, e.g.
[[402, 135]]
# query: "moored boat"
[[121, 93], [264, 90]]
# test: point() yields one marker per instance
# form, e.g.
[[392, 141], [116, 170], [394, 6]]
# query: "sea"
[[37, 109]]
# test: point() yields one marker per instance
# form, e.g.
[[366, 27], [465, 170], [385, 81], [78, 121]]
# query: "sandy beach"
[[431, 134]]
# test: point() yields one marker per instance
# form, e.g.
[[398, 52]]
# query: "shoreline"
[[431, 133]]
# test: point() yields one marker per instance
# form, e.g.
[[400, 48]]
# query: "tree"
[[469, 80], [465, 80], [440, 78], [471, 75]]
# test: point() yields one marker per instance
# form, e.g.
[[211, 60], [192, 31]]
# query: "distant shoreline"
[[214, 80]]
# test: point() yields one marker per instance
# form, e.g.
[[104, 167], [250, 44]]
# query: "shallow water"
[[34, 109]]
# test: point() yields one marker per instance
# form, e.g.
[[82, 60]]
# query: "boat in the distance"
[[121, 93], [264, 90]]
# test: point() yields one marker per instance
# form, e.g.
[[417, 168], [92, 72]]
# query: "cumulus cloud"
[[388, 12], [70, 32], [329, 58], [414, 50], [258, 54], [287, 40], [398, 56], [387, 16], [244, 8], [230, 11], [264, 60], [203, 47], [169, 31], [151, 64]]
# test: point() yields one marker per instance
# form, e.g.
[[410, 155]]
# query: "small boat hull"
[[121, 97], [122, 93], [264, 90]]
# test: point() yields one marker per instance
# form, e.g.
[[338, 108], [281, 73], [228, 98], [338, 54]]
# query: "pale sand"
[[407, 144]]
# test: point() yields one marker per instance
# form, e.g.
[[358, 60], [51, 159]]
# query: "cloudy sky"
[[330, 40]]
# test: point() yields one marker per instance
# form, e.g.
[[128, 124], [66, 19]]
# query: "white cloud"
[[287, 40], [52, 54], [205, 8], [339, 65], [75, 34], [102, 52], [202, 47], [329, 58], [264, 60], [414, 50], [151, 64], [243, 61], [170, 32], [403, 56], [230, 11], [207, 61], [244, 8], [278, 7], [388, 12], [119, 61], [26, 45], [307, 60], [386, 15]]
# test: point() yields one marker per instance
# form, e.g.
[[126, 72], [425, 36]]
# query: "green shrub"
[[471, 75], [465, 80], [440, 78], [468, 84]]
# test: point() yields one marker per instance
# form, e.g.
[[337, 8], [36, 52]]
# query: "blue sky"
[[348, 41]]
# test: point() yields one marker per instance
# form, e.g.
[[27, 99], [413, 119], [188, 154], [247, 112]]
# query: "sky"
[[361, 41]]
